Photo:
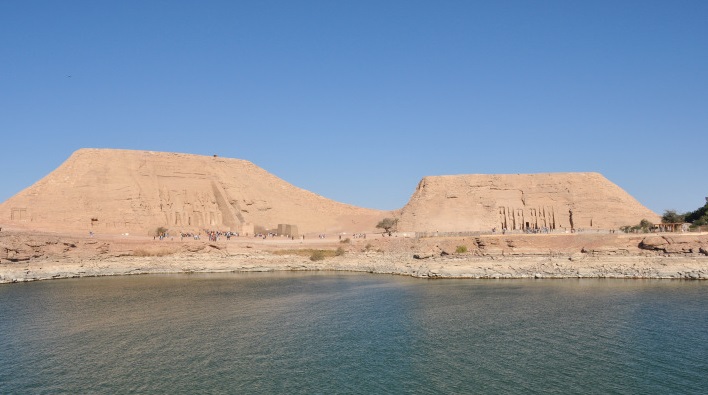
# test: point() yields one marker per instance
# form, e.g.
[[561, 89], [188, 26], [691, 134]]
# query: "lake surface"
[[323, 333]]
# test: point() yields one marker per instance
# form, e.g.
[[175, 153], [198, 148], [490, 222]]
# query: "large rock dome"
[[117, 191], [556, 201]]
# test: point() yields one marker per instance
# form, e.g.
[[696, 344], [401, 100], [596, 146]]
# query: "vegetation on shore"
[[644, 226], [313, 254], [140, 252], [160, 232], [696, 219], [387, 224]]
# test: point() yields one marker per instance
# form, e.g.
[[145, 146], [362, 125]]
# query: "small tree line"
[[696, 219], [388, 225], [644, 226]]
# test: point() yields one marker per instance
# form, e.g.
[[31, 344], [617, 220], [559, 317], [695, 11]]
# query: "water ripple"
[[351, 333]]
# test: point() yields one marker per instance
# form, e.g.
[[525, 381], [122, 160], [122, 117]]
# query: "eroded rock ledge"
[[25, 257]]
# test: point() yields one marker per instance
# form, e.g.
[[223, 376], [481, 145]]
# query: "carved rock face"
[[122, 191], [118, 191], [553, 201]]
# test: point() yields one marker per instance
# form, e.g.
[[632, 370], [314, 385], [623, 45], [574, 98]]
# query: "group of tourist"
[[265, 235], [182, 235], [215, 235], [537, 230]]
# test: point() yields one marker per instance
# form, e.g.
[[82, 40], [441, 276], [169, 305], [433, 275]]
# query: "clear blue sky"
[[358, 100]]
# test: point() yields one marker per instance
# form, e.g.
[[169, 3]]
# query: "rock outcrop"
[[123, 191], [554, 201], [669, 244]]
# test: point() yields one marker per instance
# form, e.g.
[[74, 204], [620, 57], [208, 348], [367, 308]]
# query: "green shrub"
[[339, 251], [387, 224], [149, 253], [161, 231], [672, 217], [317, 255], [644, 226], [461, 249]]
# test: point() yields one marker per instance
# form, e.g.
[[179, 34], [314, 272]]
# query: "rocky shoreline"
[[26, 258]]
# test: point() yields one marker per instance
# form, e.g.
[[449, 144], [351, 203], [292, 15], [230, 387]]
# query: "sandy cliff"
[[122, 191], [557, 201]]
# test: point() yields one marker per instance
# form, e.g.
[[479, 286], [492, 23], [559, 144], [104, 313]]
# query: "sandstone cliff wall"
[[123, 191], [557, 201], [117, 191]]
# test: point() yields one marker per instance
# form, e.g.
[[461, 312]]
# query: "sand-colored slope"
[[117, 191], [518, 201]]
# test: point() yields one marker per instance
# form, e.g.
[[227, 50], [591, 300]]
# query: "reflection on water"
[[352, 333]]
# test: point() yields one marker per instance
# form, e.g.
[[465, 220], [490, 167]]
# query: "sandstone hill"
[[124, 191], [556, 201]]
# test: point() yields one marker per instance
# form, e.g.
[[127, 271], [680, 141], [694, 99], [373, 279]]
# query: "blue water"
[[324, 333]]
